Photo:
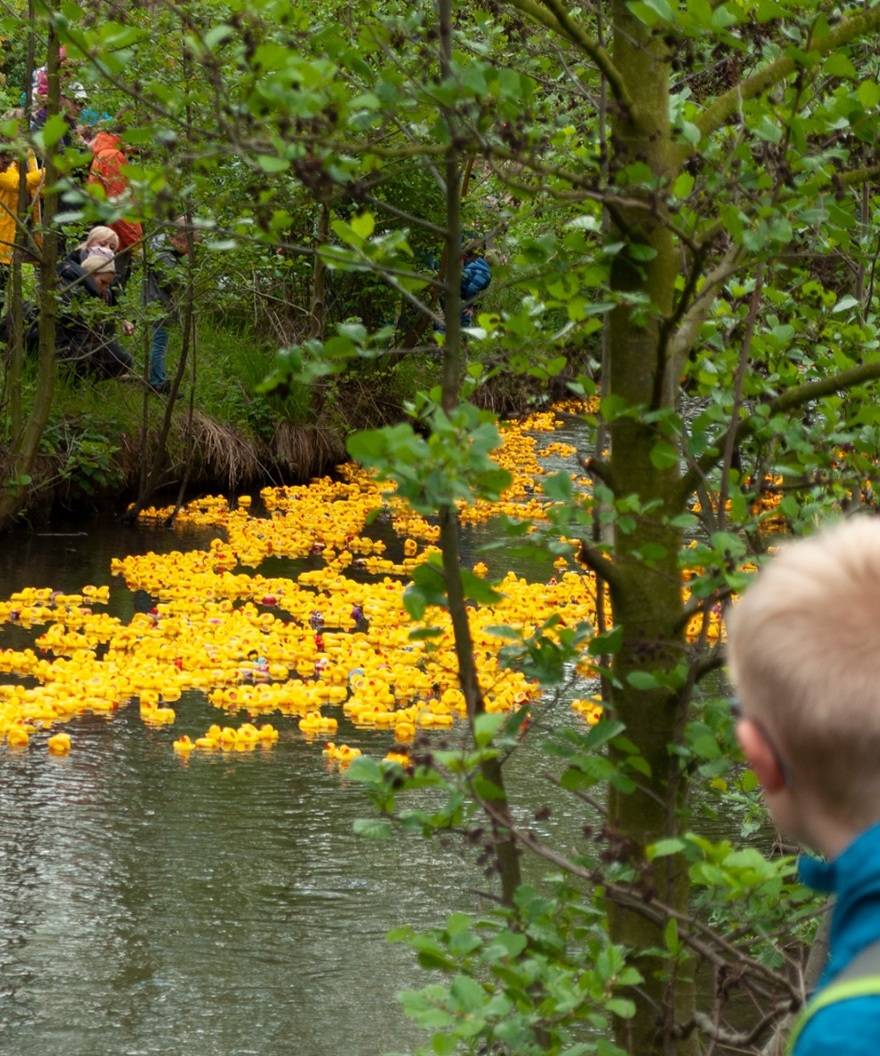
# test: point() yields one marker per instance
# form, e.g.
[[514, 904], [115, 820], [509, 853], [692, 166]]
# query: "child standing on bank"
[[804, 653], [162, 282]]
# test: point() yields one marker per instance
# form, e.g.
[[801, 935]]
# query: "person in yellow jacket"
[[11, 230]]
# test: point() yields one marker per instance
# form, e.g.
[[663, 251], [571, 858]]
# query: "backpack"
[[860, 978]]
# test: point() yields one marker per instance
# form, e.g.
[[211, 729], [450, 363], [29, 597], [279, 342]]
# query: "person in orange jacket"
[[11, 229], [108, 161]]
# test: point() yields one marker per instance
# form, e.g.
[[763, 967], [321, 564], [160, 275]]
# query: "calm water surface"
[[219, 908]]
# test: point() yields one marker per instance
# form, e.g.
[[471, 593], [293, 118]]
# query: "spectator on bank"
[[40, 88], [15, 230], [85, 326], [162, 282], [476, 275], [100, 237], [803, 644], [106, 171]]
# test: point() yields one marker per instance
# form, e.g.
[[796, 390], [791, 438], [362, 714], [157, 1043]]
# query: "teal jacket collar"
[[853, 877]]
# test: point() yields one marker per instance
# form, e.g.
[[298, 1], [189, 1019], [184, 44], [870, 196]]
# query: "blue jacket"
[[851, 1028], [475, 277]]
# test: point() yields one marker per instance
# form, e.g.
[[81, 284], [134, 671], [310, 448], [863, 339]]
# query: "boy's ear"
[[760, 755]]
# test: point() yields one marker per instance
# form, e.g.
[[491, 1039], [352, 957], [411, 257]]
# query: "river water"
[[148, 908]]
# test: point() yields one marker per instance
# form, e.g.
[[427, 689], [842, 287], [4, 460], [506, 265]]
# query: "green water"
[[217, 908]]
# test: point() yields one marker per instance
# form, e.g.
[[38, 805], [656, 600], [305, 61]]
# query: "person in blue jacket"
[[804, 656], [476, 275]]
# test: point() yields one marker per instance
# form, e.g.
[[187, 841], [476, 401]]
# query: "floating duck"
[[59, 744], [316, 723], [401, 758], [17, 737], [341, 754]]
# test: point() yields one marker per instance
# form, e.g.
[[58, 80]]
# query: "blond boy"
[[804, 656]]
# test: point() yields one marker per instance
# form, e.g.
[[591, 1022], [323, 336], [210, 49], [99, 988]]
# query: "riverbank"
[[222, 434]]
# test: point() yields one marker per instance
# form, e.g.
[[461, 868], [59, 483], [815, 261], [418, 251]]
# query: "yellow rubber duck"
[[59, 744], [404, 732], [17, 737]]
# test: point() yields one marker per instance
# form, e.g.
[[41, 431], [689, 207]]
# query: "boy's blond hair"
[[804, 654]]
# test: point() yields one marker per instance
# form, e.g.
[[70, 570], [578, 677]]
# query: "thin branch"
[[557, 19], [856, 176], [682, 341], [739, 1039], [600, 564], [408, 217], [731, 101], [787, 401], [738, 382]]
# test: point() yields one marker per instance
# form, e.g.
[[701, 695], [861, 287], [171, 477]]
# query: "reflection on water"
[[150, 908]]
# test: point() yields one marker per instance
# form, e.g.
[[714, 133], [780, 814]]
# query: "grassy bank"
[[102, 432]]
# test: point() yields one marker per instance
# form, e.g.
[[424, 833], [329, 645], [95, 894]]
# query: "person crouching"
[[85, 324]]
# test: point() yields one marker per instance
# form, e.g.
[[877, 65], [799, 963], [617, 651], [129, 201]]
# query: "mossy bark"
[[648, 601]]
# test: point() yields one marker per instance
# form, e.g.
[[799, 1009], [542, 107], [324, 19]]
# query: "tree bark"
[[24, 455], [505, 849], [648, 600]]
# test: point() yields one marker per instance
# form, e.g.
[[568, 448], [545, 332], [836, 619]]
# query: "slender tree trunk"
[[24, 456], [152, 478], [506, 854], [648, 601], [14, 306], [318, 305]]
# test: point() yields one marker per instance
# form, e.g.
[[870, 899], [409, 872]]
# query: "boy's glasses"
[[737, 713]]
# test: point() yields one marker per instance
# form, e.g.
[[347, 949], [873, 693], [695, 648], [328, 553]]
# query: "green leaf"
[[868, 94], [658, 9], [364, 225], [664, 848], [609, 642], [467, 993], [53, 131], [478, 589], [684, 184], [664, 455], [622, 1007], [608, 1048], [838, 64], [845, 304], [372, 828], [272, 163], [670, 936], [558, 487], [642, 680], [365, 769], [486, 726]]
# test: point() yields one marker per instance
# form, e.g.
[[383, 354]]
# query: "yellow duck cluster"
[[335, 638]]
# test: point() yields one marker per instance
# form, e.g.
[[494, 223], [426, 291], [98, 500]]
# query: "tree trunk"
[[23, 455], [318, 305], [647, 601], [505, 849]]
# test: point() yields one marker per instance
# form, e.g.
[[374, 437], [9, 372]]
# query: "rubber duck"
[[400, 758], [17, 737], [59, 744], [267, 733], [404, 732]]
